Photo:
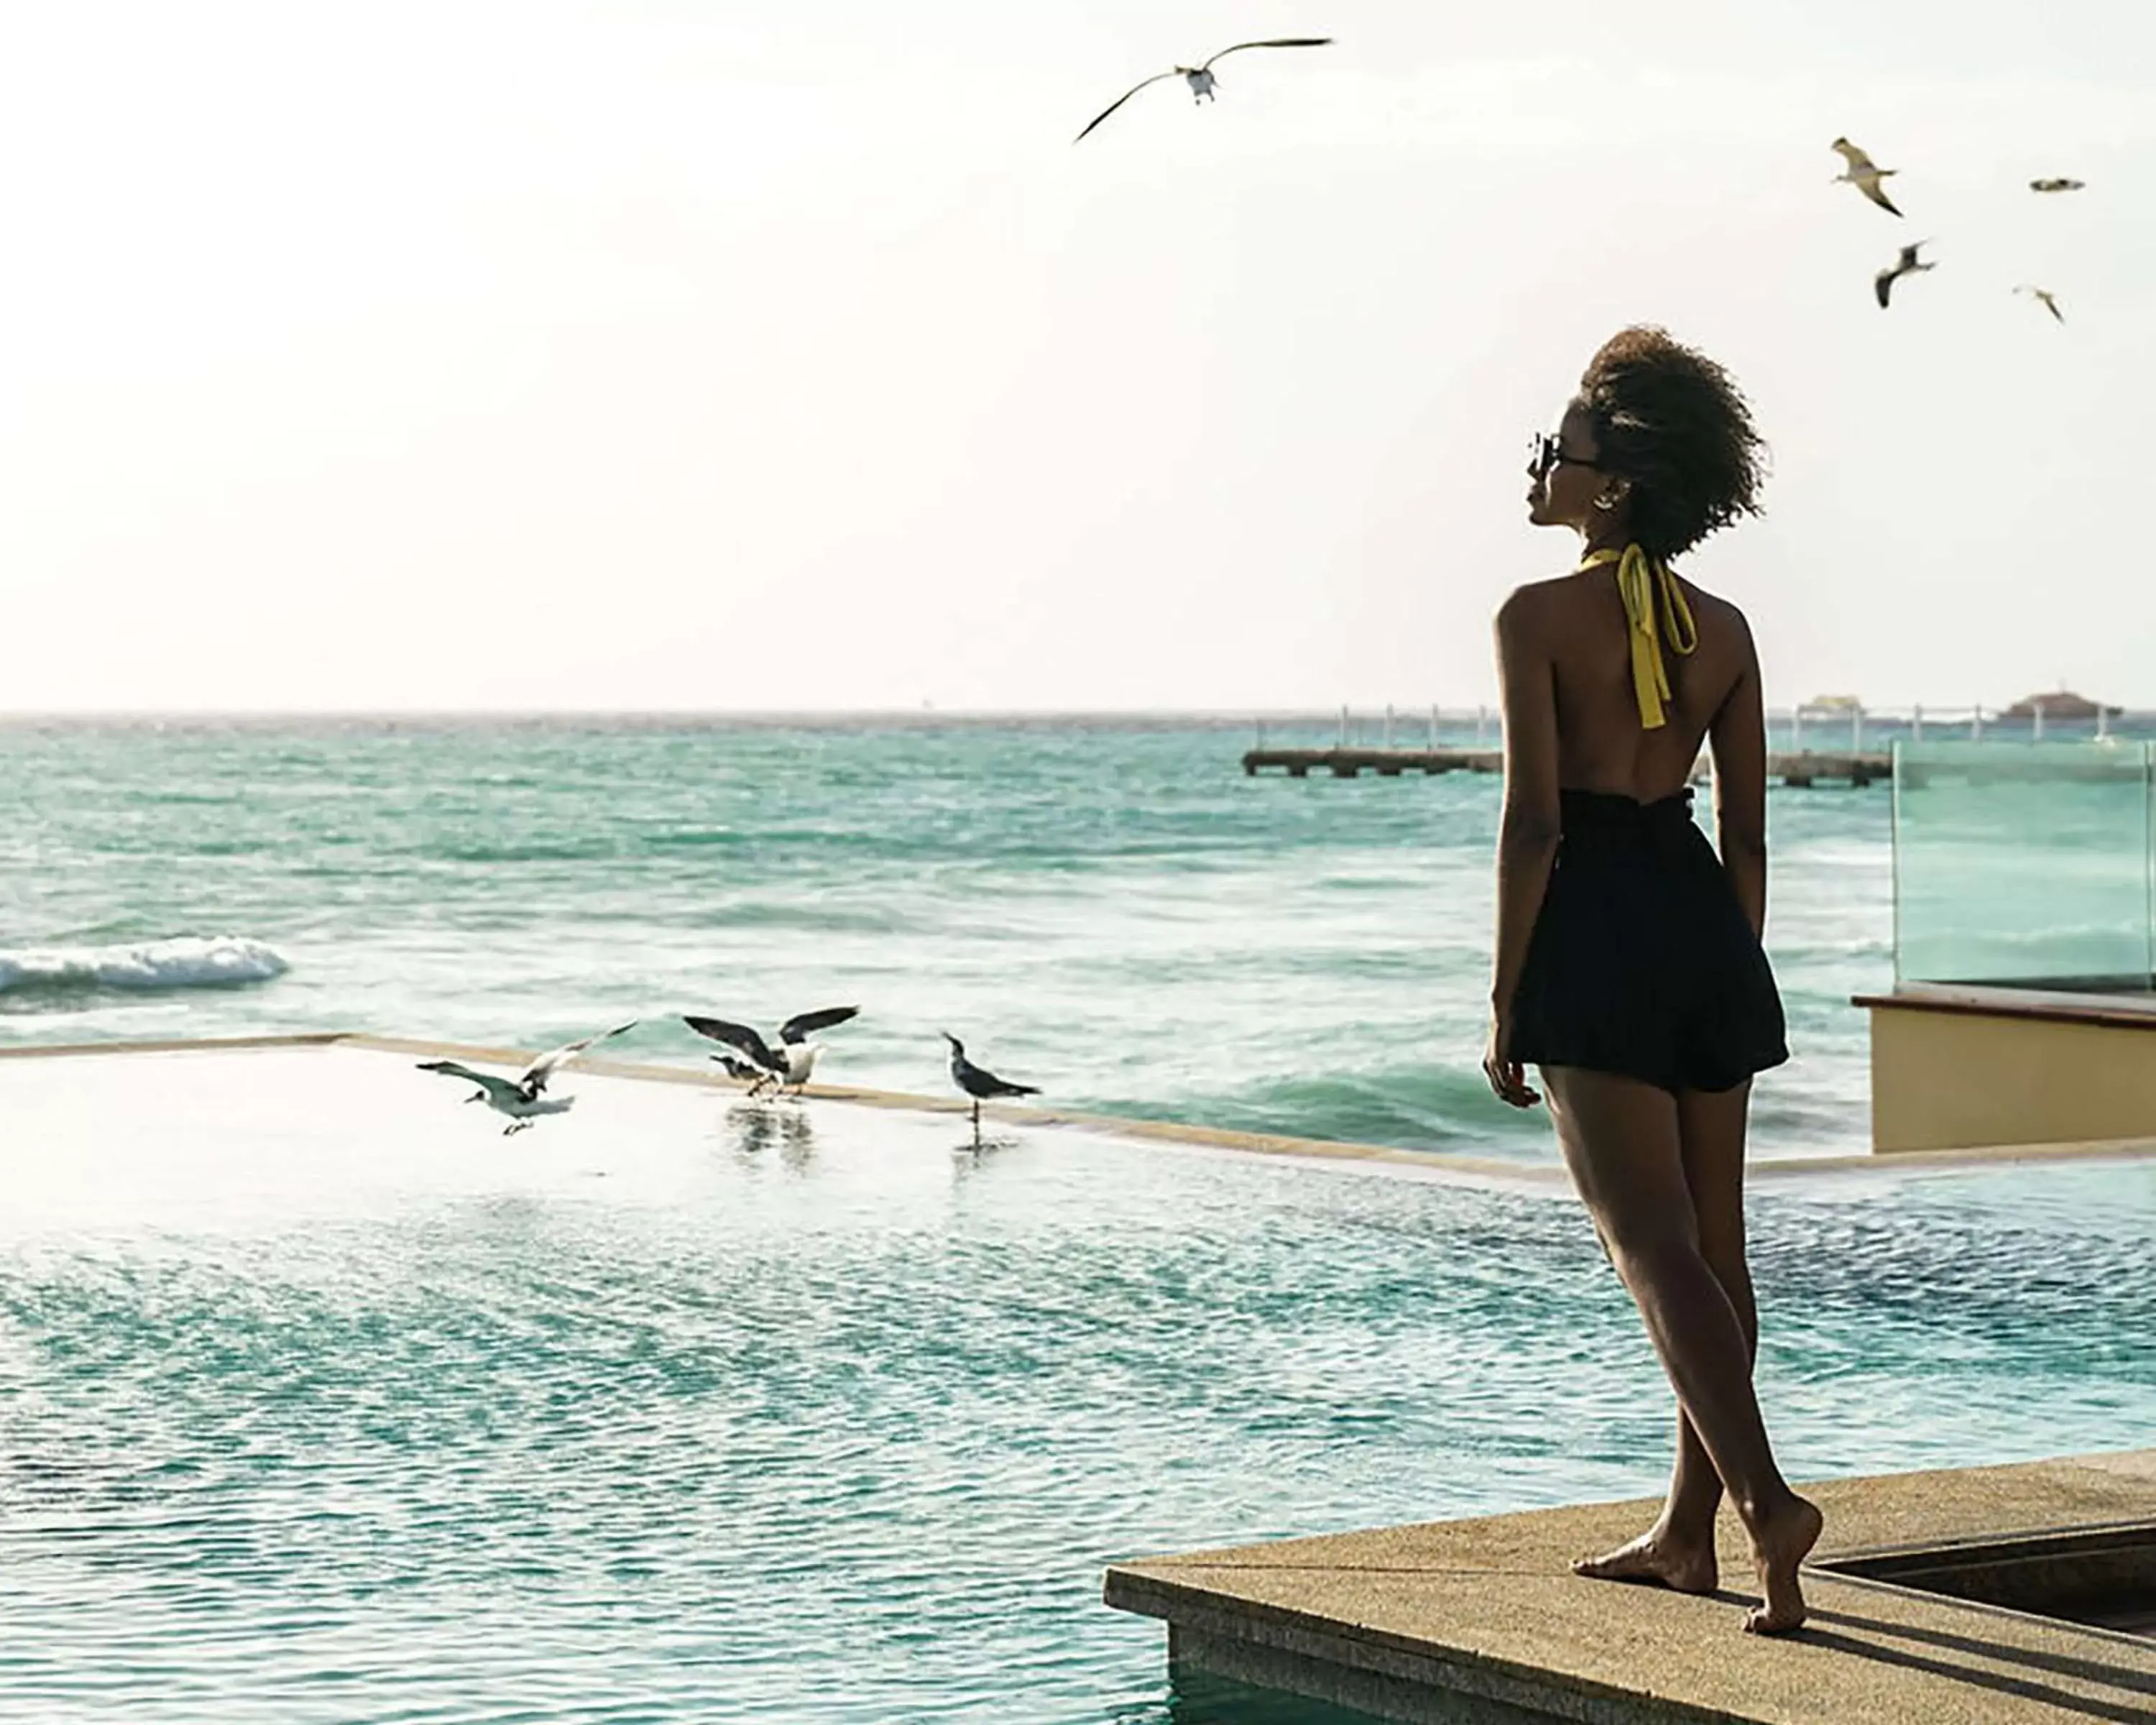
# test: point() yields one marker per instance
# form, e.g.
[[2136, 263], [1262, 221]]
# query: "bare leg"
[[1622, 1142], [1678, 1551]]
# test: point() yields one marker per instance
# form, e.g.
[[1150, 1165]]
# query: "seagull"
[[2045, 298], [524, 1097], [2057, 184], [766, 1067], [979, 1083], [1883, 282], [1199, 77], [1863, 174], [742, 1071]]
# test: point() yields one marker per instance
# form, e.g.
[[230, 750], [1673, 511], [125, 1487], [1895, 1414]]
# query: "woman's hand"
[[1507, 1078]]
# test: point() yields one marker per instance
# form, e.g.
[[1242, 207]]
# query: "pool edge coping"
[[1392, 1612], [1337, 1151]]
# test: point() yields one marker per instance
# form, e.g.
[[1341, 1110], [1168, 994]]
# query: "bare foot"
[[1778, 1545], [1659, 1556]]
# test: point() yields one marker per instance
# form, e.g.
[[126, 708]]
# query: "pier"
[[1808, 766], [1386, 763], [1839, 741]]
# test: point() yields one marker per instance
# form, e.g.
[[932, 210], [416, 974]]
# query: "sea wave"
[[1419, 1107], [185, 961]]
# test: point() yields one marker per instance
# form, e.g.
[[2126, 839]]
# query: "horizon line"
[[1824, 710]]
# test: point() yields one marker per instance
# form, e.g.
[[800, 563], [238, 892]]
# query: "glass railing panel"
[[2025, 865]]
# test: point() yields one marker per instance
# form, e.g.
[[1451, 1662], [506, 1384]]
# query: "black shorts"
[[1641, 962]]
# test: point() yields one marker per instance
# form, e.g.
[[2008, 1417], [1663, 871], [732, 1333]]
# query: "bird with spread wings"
[[1907, 263], [524, 1097], [1199, 77], [762, 1066], [2043, 297], [1865, 174]]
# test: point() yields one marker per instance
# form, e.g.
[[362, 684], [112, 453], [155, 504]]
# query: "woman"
[[1629, 967]]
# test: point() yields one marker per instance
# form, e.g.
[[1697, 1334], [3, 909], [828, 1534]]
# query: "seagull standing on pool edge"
[[791, 1063], [979, 1083], [1199, 77]]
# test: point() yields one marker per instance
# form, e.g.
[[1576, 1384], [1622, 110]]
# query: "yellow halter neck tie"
[[1641, 580]]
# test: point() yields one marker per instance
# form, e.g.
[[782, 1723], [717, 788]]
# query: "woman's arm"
[[1738, 738], [1528, 833]]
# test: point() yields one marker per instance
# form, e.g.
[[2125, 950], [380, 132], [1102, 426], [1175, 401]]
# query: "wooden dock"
[[1809, 767], [1386, 763]]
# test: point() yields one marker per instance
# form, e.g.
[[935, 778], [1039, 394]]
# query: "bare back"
[[1601, 745]]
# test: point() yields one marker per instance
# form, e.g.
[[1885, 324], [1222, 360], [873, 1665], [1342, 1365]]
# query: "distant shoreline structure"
[[2062, 704]]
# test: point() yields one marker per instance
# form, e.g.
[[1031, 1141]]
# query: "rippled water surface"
[[320, 1400], [1110, 911]]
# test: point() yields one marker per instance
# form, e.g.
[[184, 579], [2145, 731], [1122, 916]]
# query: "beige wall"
[[1958, 1081]]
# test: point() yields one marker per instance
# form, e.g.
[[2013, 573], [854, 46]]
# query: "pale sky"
[[789, 356]]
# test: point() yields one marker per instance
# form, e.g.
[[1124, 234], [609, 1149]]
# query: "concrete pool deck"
[[1480, 1620], [1509, 1170]]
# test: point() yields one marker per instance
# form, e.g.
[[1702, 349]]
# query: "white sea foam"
[[188, 962]]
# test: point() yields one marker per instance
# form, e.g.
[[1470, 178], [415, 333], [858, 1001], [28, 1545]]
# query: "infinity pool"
[[320, 1400]]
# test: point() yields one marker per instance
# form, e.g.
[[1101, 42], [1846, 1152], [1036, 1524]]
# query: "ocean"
[[1108, 909]]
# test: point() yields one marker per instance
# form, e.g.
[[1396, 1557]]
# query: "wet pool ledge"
[[1544, 1174], [1480, 1620]]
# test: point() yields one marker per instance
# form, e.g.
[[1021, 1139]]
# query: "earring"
[[1605, 502]]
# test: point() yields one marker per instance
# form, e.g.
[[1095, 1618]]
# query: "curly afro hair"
[[1675, 423]]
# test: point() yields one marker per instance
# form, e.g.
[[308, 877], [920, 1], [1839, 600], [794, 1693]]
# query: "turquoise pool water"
[[321, 1401]]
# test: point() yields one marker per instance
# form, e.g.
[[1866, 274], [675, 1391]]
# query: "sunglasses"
[[1546, 452]]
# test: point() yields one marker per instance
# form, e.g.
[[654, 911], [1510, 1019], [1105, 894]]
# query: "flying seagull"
[[1883, 283], [767, 1067], [979, 1083], [524, 1097], [1199, 77], [2045, 298], [1864, 174], [2056, 184]]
